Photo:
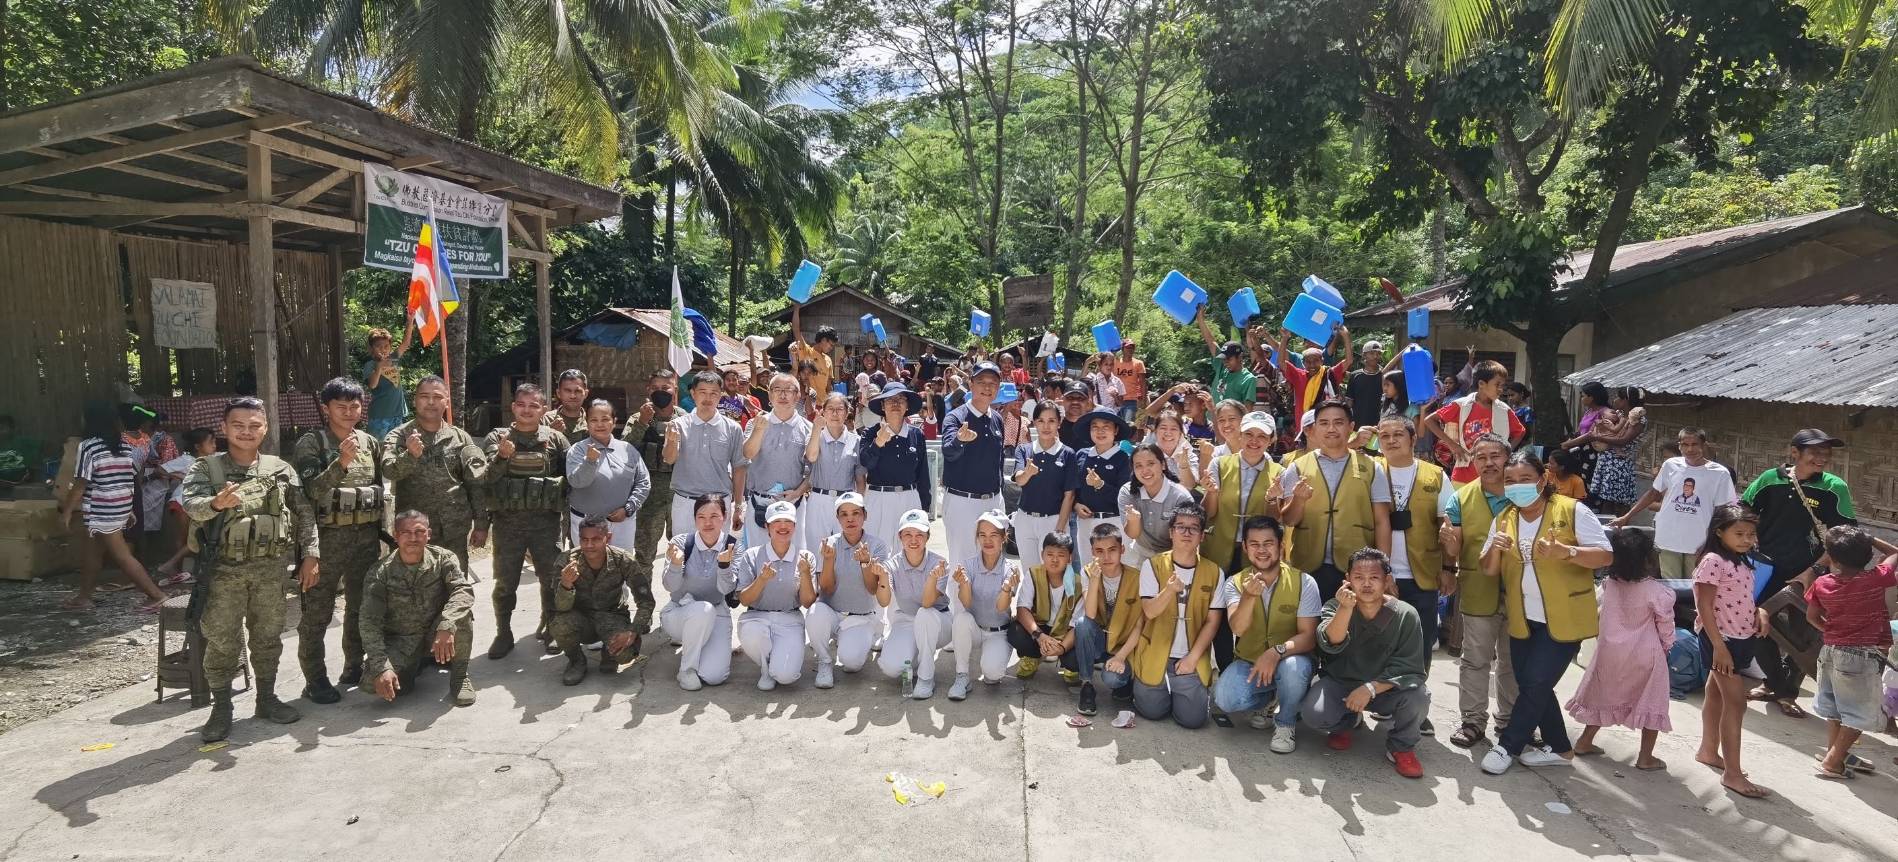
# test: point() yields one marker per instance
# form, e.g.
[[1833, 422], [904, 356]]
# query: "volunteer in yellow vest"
[[1337, 499], [1545, 547], [1043, 627], [1273, 608], [1181, 604], [1238, 487], [1418, 491], [1479, 599], [1106, 617]]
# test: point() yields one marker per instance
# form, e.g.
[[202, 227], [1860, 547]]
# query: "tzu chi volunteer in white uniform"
[[982, 592], [849, 575], [776, 582], [918, 599], [697, 617], [972, 461], [706, 451]]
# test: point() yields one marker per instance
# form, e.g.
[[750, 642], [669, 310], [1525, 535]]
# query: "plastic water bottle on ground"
[[909, 680]]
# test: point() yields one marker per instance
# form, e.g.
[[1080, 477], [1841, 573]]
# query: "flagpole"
[[447, 380]]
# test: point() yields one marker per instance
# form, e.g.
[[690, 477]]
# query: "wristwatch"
[[1280, 649], [1572, 551]]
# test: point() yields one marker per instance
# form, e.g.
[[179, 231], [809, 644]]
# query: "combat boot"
[[503, 643], [317, 688], [546, 636], [576, 667], [351, 675], [218, 726], [459, 686], [269, 707]]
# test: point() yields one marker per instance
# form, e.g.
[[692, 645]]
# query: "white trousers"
[[995, 649], [886, 509], [915, 639], [682, 516], [853, 633], [817, 519], [624, 534], [1084, 533], [1029, 531], [704, 634], [959, 514], [1135, 554], [774, 641]]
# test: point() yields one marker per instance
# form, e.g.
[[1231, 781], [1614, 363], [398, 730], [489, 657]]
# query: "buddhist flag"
[[432, 293], [678, 333]]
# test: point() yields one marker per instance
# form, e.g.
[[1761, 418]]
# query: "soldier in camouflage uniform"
[[646, 431], [341, 469], [418, 608], [434, 468], [265, 517], [525, 502], [570, 418], [591, 602]]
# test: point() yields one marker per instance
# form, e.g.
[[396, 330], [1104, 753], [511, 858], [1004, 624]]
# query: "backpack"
[[1685, 672]]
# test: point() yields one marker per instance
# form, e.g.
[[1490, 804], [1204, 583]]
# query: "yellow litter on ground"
[[908, 791], [99, 746]]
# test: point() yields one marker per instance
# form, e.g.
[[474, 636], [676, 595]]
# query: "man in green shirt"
[[1374, 656], [1230, 379]]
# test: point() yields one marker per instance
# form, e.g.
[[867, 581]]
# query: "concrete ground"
[[633, 766]]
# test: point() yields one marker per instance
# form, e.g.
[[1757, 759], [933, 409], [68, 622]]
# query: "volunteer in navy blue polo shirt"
[[972, 461], [1101, 469]]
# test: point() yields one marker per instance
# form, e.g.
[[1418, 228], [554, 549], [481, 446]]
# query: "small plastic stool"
[[184, 668]]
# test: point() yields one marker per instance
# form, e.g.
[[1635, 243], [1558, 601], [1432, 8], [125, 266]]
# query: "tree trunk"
[[1543, 346], [461, 326], [1439, 246], [1077, 230], [636, 211], [734, 280]]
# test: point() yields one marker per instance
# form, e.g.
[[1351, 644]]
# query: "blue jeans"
[[380, 428], [1233, 692], [1540, 661], [1090, 649]]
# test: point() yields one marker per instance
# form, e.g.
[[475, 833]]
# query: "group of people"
[[1193, 568]]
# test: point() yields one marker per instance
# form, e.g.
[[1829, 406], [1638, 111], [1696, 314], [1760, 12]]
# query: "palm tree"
[[863, 251]]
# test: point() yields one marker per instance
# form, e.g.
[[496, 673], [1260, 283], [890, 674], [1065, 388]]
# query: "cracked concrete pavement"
[[633, 766]]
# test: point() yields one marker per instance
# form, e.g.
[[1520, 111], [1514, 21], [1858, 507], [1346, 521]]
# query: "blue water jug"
[[1058, 362], [1417, 323], [1179, 297], [803, 281], [1006, 393], [1244, 306], [978, 323], [1762, 573], [1420, 375], [876, 326], [864, 321], [1318, 287], [1106, 336], [1312, 319]]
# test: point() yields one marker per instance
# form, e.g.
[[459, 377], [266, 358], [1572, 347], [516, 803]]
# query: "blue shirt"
[[1453, 509], [1044, 494], [385, 401], [974, 467], [1114, 468], [905, 461]]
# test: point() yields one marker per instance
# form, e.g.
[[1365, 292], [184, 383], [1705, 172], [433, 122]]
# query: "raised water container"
[[1106, 336], [876, 326], [1244, 306], [865, 320], [1420, 374], [1179, 297], [1417, 323], [978, 323], [1006, 393], [1058, 362], [1312, 319], [1322, 289], [803, 281]]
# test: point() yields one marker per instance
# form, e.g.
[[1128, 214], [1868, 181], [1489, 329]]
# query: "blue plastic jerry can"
[[876, 326], [1318, 287], [1179, 297], [1420, 374], [1417, 323], [1312, 319], [978, 323], [1106, 336], [1244, 306], [1058, 362], [864, 322], [803, 282]]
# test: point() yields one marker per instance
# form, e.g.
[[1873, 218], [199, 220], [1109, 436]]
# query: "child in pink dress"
[[1626, 684]]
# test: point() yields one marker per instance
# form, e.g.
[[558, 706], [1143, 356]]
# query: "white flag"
[[679, 335]]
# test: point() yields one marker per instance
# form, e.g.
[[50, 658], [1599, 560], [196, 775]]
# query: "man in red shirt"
[[1474, 415], [1133, 377], [1311, 381], [1011, 372], [1847, 605]]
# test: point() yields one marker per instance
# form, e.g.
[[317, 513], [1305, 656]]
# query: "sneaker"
[[1027, 667], [1467, 736], [1379, 716], [1070, 677], [826, 675], [689, 680], [1496, 761], [1407, 764], [765, 682], [925, 689], [1284, 739], [1259, 720], [1124, 694], [1339, 740], [1543, 757], [959, 690], [1089, 703], [1427, 728]]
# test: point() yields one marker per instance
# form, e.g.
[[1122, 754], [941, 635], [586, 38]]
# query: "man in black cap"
[[972, 461], [1076, 401], [1789, 499], [1231, 378]]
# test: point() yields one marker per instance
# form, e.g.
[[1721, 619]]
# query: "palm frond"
[[1458, 27], [1595, 43]]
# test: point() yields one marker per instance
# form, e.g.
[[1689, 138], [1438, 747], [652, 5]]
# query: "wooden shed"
[[618, 348], [842, 308]]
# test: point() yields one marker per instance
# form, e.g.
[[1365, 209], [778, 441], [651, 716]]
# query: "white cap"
[[1373, 345], [994, 517], [780, 511], [1305, 421], [914, 519], [1258, 420], [847, 498]]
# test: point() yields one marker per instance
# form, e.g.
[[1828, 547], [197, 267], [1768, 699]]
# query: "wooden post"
[[341, 344], [543, 307], [263, 290]]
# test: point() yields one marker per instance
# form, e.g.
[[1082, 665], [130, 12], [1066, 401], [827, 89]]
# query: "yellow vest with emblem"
[[1568, 590], [1273, 622], [1423, 546], [1123, 609], [1058, 625], [1221, 544], [528, 484], [258, 528], [1353, 524], [1151, 657], [357, 499], [1478, 594]]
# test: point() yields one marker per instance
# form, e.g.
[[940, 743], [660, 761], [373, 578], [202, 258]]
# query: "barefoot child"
[[198, 443], [1725, 616], [1626, 684], [1847, 605]]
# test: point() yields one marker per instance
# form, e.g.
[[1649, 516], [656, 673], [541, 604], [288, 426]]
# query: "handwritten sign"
[[184, 314]]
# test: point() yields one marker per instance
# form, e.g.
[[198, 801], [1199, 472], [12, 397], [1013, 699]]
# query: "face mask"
[[1522, 494]]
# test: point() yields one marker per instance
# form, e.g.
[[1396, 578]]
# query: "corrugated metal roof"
[[731, 351], [1840, 355], [1866, 281]]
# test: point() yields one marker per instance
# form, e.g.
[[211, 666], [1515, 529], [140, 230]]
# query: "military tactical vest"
[[358, 498], [526, 486], [259, 527]]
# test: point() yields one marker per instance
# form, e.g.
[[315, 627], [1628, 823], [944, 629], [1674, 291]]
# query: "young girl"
[[1626, 684], [1182, 458], [1045, 473], [1565, 474], [1147, 501], [1723, 606], [104, 491], [199, 443]]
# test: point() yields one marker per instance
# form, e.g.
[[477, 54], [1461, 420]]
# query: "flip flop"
[[1657, 766], [112, 588], [1789, 708], [76, 607], [1589, 753], [1829, 775], [1757, 792], [1853, 763]]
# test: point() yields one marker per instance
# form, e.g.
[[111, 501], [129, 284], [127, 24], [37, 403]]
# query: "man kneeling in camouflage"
[[590, 602], [417, 608]]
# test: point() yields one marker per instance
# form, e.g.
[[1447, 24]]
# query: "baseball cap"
[[1815, 437], [1305, 421], [982, 368], [1258, 421], [1232, 348], [995, 518], [780, 511], [914, 519], [1373, 345], [1078, 389], [848, 498]]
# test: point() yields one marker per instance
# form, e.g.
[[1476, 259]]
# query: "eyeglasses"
[[1190, 529], [784, 390]]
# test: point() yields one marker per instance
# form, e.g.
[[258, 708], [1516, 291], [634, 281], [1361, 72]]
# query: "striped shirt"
[[109, 481]]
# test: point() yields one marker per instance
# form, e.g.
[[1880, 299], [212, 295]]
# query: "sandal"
[[178, 580], [1466, 736], [112, 588], [1789, 707], [150, 607], [1657, 766], [1761, 693], [1829, 775], [1750, 791], [1853, 763]]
